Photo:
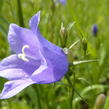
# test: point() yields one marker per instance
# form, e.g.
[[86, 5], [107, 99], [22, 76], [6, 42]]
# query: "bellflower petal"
[[14, 68], [34, 21], [11, 88], [46, 75], [49, 45], [12, 74], [19, 37], [54, 70]]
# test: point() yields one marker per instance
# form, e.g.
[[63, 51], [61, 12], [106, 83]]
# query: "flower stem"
[[84, 61], [38, 96], [72, 90], [0, 104], [20, 14]]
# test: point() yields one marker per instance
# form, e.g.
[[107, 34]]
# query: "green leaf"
[[69, 27]]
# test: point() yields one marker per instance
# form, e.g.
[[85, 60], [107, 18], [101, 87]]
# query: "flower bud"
[[95, 30], [100, 101], [63, 2], [84, 41], [63, 31]]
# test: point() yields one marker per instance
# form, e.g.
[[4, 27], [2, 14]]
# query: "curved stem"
[[86, 90]]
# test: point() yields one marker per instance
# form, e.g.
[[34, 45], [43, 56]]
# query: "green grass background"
[[89, 80]]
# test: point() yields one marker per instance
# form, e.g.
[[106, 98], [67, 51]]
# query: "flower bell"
[[36, 60]]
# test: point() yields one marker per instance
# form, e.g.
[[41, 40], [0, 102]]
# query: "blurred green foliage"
[[88, 80]]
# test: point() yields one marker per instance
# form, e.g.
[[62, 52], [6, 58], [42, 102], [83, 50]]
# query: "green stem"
[[72, 90], [84, 61], [47, 102], [0, 104], [20, 14], [38, 96]]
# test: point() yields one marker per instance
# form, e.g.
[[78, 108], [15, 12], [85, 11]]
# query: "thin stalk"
[[72, 91], [84, 61], [20, 14], [47, 101], [73, 88], [0, 104], [38, 97]]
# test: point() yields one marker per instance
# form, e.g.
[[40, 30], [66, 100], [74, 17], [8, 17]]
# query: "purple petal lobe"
[[13, 68], [48, 45], [58, 62], [52, 72], [19, 37], [12, 74], [11, 88], [34, 21]]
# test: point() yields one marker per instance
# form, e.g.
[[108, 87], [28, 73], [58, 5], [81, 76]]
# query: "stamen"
[[23, 49], [23, 54]]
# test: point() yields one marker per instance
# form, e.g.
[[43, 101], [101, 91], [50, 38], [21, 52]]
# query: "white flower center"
[[22, 55]]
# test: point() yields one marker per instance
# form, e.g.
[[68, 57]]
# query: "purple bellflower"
[[63, 2], [37, 61]]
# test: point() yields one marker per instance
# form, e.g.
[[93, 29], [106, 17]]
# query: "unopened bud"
[[100, 101], [84, 41], [95, 30], [63, 31]]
